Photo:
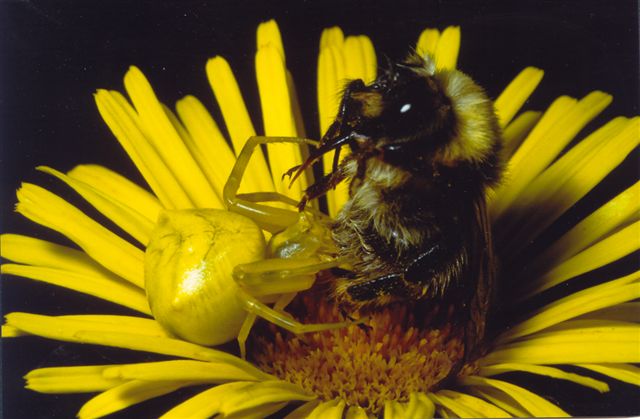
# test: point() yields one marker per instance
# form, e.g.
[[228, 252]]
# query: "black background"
[[54, 54]]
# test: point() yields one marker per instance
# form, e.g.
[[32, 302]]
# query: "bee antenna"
[[388, 64]]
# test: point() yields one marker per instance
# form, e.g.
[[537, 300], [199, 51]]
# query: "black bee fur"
[[425, 147]]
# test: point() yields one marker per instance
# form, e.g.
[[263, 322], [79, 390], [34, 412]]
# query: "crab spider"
[[300, 248]]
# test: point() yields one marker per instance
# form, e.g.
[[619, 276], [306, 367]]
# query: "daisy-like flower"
[[396, 367]]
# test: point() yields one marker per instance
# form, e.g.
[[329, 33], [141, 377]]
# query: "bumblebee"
[[425, 147]]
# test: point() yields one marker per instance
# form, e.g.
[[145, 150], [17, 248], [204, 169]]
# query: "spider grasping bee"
[[424, 150]]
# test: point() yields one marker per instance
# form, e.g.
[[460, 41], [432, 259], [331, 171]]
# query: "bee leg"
[[364, 327], [370, 289], [269, 218], [322, 186], [427, 268]]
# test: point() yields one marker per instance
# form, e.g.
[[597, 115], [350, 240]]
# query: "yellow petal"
[[583, 325], [268, 34], [216, 200], [594, 298], [258, 394], [332, 409], [30, 251], [623, 372], [606, 251], [124, 123], [86, 330], [303, 411], [445, 413], [208, 403], [370, 59], [258, 412], [182, 370], [448, 47], [622, 209], [353, 59], [339, 61], [607, 342], [428, 42], [478, 407], [271, 74], [393, 410], [458, 409], [114, 208], [126, 395], [516, 94], [570, 178], [180, 129], [419, 407], [109, 250], [331, 36], [562, 121], [163, 135], [114, 290], [331, 80], [531, 402], [500, 399], [598, 385], [205, 404], [296, 110], [227, 93], [278, 118], [627, 312], [206, 143], [84, 379], [356, 412], [127, 324], [116, 186], [11, 332], [518, 130], [362, 58], [236, 118]]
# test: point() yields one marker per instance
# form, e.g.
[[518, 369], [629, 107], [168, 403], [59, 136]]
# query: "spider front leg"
[[279, 276], [269, 218], [243, 335]]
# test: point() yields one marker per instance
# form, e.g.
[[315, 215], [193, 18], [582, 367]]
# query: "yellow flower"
[[186, 161]]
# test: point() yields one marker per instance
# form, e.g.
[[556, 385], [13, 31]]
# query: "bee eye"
[[405, 108]]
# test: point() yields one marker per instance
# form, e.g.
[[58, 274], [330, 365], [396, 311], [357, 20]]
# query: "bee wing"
[[483, 264]]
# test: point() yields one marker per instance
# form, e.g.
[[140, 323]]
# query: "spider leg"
[[284, 320], [251, 318], [279, 276], [269, 218]]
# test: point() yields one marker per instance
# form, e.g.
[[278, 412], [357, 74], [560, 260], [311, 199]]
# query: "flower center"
[[401, 349]]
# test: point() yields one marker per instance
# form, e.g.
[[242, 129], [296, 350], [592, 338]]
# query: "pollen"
[[399, 350]]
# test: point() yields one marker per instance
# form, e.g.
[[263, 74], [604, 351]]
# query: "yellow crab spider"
[[209, 273], [301, 248]]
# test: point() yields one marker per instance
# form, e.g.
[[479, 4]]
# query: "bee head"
[[403, 106], [414, 117]]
